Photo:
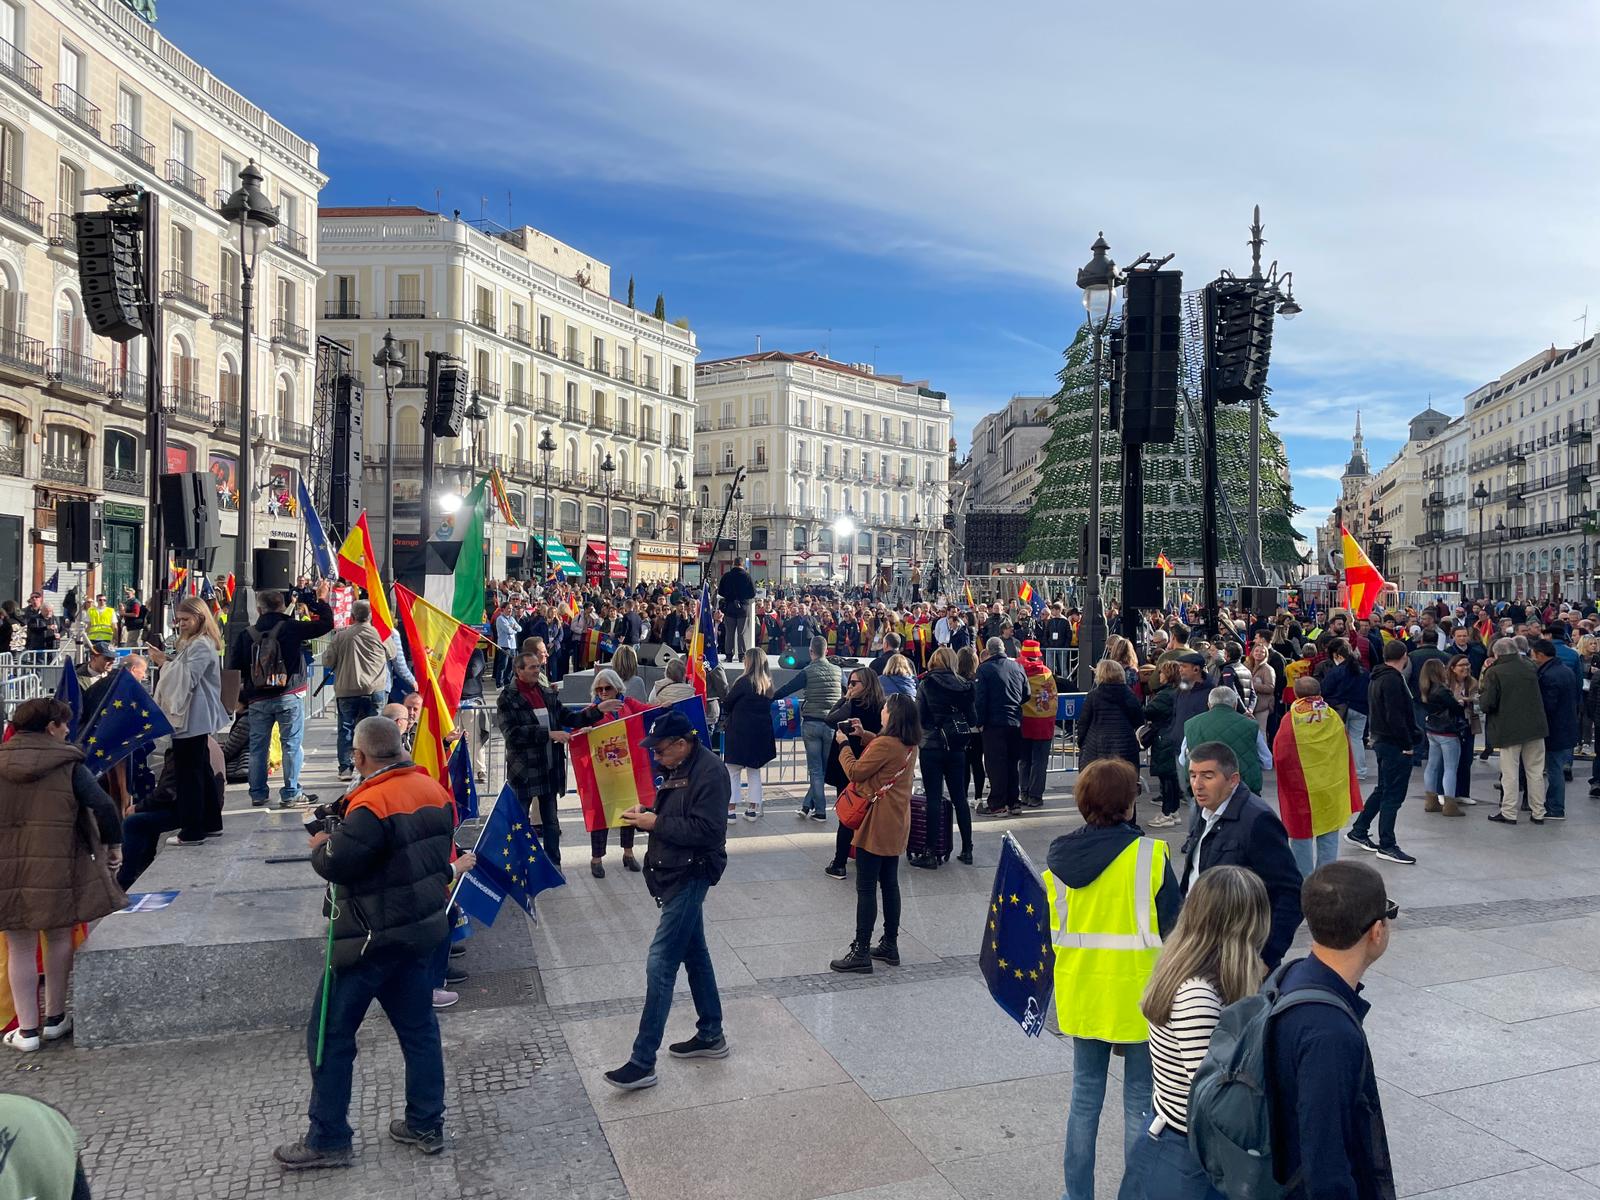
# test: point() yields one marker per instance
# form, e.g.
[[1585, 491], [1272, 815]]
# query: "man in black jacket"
[[279, 702], [1235, 827], [737, 591], [388, 865], [1393, 729], [1327, 1121], [688, 831]]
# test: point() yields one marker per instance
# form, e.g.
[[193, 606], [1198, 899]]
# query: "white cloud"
[[1333, 471]]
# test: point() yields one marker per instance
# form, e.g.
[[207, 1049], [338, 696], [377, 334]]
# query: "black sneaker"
[[458, 950], [1395, 855], [631, 1078], [428, 1143], [1536, 820], [1362, 840], [298, 1156], [698, 1047], [818, 815], [1499, 819], [454, 975], [833, 872], [1550, 816]]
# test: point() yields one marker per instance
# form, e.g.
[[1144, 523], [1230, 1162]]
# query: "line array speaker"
[[345, 504], [1152, 343], [189, 512]]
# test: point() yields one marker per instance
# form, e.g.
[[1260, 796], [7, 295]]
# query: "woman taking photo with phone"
[[189, 692], [858, 715]]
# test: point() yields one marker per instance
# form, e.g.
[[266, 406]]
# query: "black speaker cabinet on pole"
[[1261, 601], [344, 506], [273, 569], [1143, 587], [189, 512], [75, 529]]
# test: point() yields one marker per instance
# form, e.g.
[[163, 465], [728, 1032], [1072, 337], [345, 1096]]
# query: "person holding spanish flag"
[[608, 704]]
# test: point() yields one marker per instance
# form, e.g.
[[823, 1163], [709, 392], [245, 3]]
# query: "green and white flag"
[[458, 538]]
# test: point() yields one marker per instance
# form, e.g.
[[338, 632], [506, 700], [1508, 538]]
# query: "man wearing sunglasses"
[[1326, 1119]]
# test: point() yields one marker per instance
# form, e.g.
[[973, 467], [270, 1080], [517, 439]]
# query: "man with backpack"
[[270, 658], [1316, 1131]]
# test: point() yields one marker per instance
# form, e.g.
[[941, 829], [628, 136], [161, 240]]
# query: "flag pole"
[[327, 972]]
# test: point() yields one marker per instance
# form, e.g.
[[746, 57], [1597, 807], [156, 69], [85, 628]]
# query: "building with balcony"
[[92, 96], [821, 441], [1002, 470], [546, 348], [1449, 542]]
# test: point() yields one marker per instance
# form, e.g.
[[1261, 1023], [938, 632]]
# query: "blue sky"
[[914, 185]]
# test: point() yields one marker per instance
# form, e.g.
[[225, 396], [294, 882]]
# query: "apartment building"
[[848, 470], [547, 350], [1449, 543], [1002, 470], [92, 96]]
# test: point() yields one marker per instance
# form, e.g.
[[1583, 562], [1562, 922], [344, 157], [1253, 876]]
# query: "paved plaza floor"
[[906, 1085]]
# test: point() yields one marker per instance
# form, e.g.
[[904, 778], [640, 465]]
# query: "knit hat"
[[1030, 652]]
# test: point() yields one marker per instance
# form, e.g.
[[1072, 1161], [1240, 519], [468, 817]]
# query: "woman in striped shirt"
[[1212, 959]]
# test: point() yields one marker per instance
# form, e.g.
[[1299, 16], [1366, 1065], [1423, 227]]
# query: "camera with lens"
[[325, 818]]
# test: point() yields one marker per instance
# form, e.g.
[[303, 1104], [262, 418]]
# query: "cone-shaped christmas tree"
[[1172, 478]]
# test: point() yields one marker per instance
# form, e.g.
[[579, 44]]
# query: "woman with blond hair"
[[1211, 960], [625, 662], [899, 678], [750, 744], [189, 692]]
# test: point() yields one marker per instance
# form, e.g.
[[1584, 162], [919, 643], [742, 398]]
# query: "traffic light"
[[109, 273], [1241, 341], [450, 406]]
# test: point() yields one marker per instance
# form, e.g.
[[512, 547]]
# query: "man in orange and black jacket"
[[388, 863]]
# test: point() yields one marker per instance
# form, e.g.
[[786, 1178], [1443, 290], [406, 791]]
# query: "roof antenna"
[[758, 343]]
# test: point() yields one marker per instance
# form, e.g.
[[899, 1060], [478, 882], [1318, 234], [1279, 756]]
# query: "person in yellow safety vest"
[[1113, 898], [102, 620]]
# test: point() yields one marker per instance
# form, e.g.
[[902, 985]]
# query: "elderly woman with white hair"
[[608, 704]]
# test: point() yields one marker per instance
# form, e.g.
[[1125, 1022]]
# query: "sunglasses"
[[603, 687]]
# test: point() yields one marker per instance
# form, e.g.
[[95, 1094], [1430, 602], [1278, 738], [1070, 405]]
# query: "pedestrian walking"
[[529, 713], [748, 743], [945, 710], [1516, 725], [1392, 726], [859, 716], [1317, 785], [1223, 722], [1212, 959], [882, 773], [1159, 716], [819, 679], [686, 857], [1344, 687], [1113, 899], [1442, 722]]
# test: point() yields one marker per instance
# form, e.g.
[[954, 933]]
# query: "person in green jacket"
[[1514, 709], [1223, 722]]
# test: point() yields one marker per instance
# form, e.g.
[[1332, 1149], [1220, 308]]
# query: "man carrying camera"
[[688, 852], [388, 861]]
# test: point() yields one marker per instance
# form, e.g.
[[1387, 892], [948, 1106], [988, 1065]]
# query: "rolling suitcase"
[[930, 831]]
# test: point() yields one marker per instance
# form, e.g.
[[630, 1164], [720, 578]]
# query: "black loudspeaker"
[[273, 570], [1083, 550], [345, 502], [1144, 587], [109, 274], [1262, 601], [450, 408], [77, 530], [189, 512], [1152, 344]]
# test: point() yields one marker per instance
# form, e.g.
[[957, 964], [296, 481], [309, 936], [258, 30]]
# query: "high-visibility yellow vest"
[[102, 624], [1106, 943]]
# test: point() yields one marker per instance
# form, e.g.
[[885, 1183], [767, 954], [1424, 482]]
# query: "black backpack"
[[268, 668]]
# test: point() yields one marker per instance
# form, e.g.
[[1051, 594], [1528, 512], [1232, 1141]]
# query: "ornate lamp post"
[[609, 469], [252, 220], [1098, 280], [547, 447], [391, 364], [680, 489]]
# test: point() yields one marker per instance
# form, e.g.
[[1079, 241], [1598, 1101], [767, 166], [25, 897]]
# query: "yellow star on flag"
[[994, 945], [1004, 964], [93, 740], [1029, 910], [991, 927], [1016, 899], [1034, 975], [116, 704], [1018, 973]]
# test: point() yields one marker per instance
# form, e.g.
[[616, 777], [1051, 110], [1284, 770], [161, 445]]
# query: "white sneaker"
[[27, 1045], [60, 1029], [444, 999]]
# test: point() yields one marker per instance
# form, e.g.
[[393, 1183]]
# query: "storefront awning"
[[597, 554], [558, 556]]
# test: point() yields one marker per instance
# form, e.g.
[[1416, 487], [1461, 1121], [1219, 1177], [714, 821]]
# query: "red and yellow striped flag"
[[359, 565], [1361, 577], [442, 648], [1164, 562], [1317, 784]]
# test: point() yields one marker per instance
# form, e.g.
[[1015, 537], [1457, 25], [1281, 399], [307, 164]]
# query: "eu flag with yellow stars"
[[511, 863], [1016, 958], [127, 720]]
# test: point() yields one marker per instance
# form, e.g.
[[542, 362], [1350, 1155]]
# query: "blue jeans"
[[1444, 754], [818, 736], [1556, 763], [289, 715], [680, 938], [1355, 728], [353, 710], [1312, 852], [1090, 1060], [399, 981], [1164, 1168]]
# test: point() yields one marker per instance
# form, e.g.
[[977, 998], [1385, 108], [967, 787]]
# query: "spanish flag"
[[703, 643], [971, 603], [572, 607], [1025, 592], [1317, 786], [442, 648], [359, 565], [612, 771], [1165, 563], [1360, 577]]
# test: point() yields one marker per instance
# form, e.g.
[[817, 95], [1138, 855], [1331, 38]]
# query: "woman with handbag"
[[1442, 717], [880, 791], [944, 706], [859, 715], [189, 692]]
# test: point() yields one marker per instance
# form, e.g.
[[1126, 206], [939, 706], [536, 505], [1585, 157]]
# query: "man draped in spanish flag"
[[1360, 577], [1317, 786]]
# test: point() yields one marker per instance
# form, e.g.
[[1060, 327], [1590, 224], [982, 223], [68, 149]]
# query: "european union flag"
[[127, 720], [70, 692], [463, 785], [1016, 958], [510, 863], [708, 625]]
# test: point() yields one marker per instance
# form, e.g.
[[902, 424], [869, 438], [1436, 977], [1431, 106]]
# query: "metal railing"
[[20, 206], [341, 310], [573, 355], [18, 66], [518, 398], [483, 318], [407, 310], [519, 334], [487, 388], [76, 108], [21, 353], [226, 309], [186, 402], [126, 481], [546, 345], [293, 433], [65, 468], [131, 145], [413, 377], [677, 441], [63, 232], [68, 369], [11, 461], [128, 386], [287, 237], [625, 374], [175, 285], [180, 175], [287, 333]]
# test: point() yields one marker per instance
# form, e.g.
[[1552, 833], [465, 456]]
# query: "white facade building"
[[1002, 470], [546, 348], [823, 441]]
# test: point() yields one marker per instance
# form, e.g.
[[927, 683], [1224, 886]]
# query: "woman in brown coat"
[[884, 771], [60, 843]]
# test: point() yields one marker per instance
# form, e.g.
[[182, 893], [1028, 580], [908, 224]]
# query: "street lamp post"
[[252, 220], [547, 448], [1480, 497], [391, 364], [608, 468], [679, 490], [1097, 279]]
